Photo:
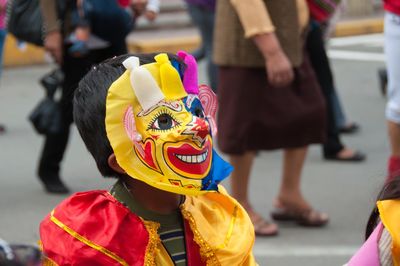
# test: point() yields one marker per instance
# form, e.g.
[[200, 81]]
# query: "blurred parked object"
[[18, 255]]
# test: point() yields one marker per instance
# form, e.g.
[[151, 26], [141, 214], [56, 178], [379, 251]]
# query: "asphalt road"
[[345, 190]]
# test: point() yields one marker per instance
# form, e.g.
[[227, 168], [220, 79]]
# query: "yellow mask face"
[[159, 133]]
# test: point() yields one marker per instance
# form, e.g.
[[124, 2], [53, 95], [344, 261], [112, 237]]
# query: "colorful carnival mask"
[[160, 126]]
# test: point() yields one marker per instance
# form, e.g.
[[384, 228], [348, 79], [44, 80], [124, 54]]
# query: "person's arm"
[[257, 25], [52, 29], [138, 7], [152, 9]]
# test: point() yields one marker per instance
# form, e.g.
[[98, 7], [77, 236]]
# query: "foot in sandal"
[[262, 227], [303, 215]]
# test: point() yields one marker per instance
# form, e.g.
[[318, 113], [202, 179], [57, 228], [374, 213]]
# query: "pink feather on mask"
[[190, 80]]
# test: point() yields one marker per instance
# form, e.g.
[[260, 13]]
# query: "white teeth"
[[193, 158]]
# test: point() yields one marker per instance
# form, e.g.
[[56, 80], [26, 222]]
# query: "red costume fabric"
[[93, 228]]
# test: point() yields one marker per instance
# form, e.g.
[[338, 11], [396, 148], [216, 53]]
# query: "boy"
[[144, 123]]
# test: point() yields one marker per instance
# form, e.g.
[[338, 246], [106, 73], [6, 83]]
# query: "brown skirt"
[[253, 115]]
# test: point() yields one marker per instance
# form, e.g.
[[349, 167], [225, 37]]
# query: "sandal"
[[350, 128], [262, 227], [306, 217], [2, 129], [355, 156]]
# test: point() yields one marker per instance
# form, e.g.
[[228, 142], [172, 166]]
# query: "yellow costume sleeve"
[[221, 228]]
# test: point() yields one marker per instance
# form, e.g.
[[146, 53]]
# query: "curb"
[[13, 56], [358, 27], [16, 56]]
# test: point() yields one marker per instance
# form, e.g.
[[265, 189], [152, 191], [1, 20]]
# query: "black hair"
[[391, 190], [90, 106]]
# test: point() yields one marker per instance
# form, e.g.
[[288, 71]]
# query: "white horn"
[[131, 63], [145, 87]]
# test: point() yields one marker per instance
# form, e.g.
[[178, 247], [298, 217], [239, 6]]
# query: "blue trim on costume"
[[220, 170]]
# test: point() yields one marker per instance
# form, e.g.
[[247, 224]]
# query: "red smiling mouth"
[[189, 161]]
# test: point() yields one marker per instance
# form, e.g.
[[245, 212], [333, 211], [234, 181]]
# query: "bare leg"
[[241, 176], [394, 138], [240, 184], [290, 201], [394, 159], [290, 189]]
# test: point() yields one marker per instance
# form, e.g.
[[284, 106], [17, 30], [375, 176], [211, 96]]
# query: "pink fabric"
[[392, 6], [3, 4], [368, 254], [190, 81]]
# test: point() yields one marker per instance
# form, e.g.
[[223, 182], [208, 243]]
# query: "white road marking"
[[376, 39], [269, 250], [357, 56]]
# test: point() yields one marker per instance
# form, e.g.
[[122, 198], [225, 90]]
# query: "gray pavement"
[[345, 190]]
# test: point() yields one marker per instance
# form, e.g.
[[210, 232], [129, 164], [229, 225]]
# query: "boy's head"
[[149, 113]]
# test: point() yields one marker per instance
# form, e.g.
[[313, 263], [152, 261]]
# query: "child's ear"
[[112, 162]]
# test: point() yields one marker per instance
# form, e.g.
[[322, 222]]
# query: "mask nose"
[[199, 129]]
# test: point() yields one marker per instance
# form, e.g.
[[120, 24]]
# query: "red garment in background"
[[322, 10], [123, 3], [392, 6]]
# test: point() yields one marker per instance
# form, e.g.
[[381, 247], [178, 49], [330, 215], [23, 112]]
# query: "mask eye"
[[164, 122], [198, 111]]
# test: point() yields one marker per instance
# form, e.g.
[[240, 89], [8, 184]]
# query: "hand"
[[138, 7], [150, 15], [53, 45], [279, 69]]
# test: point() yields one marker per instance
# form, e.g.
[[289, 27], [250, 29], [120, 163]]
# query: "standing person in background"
[[328, 13], [202, 13], [58, 27], [269, 99], [3, 33], [392, 50], [333, 148]]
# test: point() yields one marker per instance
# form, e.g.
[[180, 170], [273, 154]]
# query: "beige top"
[[50, 19], [255, 18]]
